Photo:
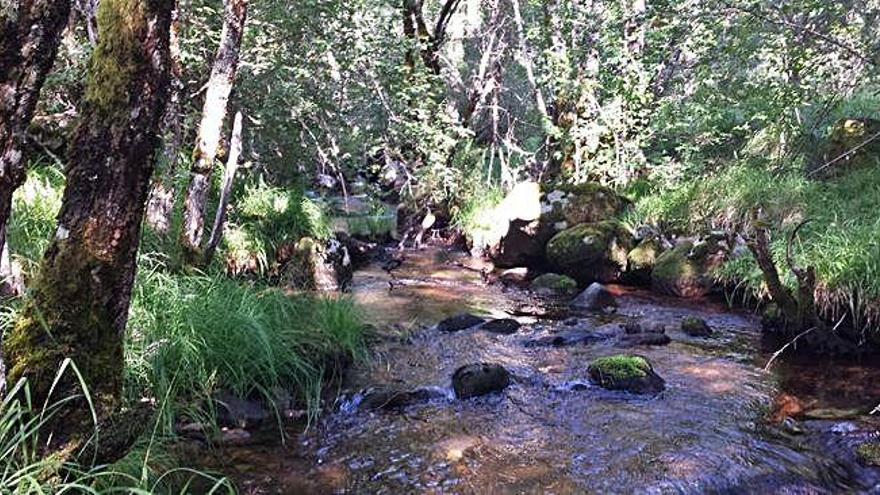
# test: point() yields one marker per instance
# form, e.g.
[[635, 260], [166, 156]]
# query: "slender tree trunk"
[[160, 206], [213, 114], [31, 32], [225, 189], [78, 302]]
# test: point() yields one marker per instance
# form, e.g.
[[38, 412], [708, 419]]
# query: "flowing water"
[[552, 431]]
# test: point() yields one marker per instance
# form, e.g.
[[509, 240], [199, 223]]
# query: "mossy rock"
[[684, 271], [591, 252], [695, 327], [554, 284], [869, 453], [626, 372], [586, 203]]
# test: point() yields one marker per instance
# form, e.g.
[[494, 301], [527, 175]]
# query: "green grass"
[[34, 207], [842, 240], [192, 335]]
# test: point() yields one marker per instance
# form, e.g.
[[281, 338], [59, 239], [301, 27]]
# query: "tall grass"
[[193, 335], [842, 241], [34, 207]]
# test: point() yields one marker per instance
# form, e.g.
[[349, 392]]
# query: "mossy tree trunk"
[[78, 304], [30, 31], [214, 112]]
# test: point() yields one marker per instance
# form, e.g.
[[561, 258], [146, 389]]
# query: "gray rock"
[[639, 339], [505, 326], [396, 398], [473, 380], [235, 412], [633, 327], [595, 298], [459, 322]]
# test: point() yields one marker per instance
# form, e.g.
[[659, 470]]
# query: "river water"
[[552, 431]]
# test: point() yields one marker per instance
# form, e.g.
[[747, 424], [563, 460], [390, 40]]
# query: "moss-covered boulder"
[[554, 284], [626, 372], [685, 270], [641, 259], [591, 252], [869, 453], [516, 231]]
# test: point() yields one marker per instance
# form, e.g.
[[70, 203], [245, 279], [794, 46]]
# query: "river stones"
[[695, 327], [626, 372], [643, 339], [459, 322], [633, 327], [595, 298], [565, 339], [504, 326], [477, 379]]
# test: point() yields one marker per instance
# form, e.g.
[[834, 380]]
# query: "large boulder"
[[626, 372], [319, 265], [517, 230], [473, 380], [591, 252], [641, 260], [685, 270]]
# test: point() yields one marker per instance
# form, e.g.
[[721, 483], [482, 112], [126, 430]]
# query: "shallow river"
[[552, 431]]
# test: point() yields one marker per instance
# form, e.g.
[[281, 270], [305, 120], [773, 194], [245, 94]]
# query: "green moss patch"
[[621, 367]]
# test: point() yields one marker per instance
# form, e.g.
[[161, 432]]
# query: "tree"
[[213, 115], [77, 307], [31, 32]]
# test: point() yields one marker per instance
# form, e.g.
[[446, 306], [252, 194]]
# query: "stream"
[[552, 431]]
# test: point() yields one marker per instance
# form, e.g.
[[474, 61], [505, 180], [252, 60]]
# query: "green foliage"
[[35, 205], [192, 335]]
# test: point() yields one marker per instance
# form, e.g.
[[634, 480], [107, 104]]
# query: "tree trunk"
[[225, 189], [160, 205], [31, 32], [79, 299], [213, 114]]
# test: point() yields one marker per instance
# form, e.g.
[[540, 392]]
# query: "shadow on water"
[[552, 431]]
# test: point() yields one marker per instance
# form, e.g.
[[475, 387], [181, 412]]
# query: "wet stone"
[[626, 372], [390, 399], [473, 380], [634, 327], [505, 326], [565, 339], [235, 412], [595, 298], [640, 339], [695, 327], [459, 322]]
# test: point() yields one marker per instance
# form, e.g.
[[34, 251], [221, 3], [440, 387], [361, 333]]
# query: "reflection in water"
[[551, 431]]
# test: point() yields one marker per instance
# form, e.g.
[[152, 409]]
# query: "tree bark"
[[78, 302], [213, 114], [31, 32], [225, 189]]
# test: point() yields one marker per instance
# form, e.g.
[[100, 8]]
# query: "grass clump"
[[193, 335], [35, 205]]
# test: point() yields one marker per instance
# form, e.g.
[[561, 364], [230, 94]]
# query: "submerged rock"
[[564, 339], [633, 327], [626, 372], [591, 252], [473, 380], [505, 326], [554, 284], [695, 327], [395, 398], [595, 298], [637, 339], [459, 322]]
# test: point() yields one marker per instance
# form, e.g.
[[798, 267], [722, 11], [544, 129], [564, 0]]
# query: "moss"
[[591, 202], [674, 264], [116, 58], [644, 255], [869, 453], [576, 248], [621, 367], [554, 282]]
